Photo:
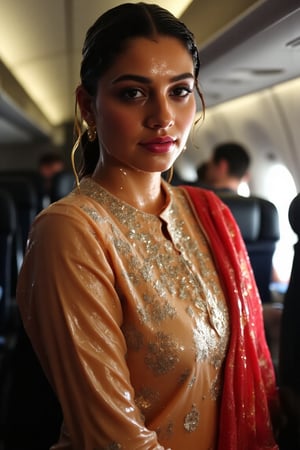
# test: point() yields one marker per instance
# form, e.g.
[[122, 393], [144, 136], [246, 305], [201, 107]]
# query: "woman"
[[143, 310]]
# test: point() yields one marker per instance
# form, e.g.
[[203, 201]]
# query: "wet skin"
[[143, 111]]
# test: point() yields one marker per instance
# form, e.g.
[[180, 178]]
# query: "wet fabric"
[[249, 390], [127, 313]]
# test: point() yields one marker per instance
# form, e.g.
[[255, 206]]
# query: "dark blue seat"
[[25, 198], [289, 360], [290, 332], [31, 416], [62, 184], [259, 224], [8, 225], [35, 179]]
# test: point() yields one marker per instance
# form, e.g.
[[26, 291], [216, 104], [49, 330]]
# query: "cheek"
[[116, 124], [187, 118]]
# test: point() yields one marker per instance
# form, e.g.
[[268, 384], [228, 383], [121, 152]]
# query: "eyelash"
[[187, 90], [129, 94], [126, 93]]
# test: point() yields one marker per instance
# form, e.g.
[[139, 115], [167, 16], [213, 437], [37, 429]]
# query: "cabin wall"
[[25, 156], [266, 123]]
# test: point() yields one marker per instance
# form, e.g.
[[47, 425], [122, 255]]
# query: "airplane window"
[[244, 189], [281, 194]]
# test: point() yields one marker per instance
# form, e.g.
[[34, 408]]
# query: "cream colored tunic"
[[127, 314]]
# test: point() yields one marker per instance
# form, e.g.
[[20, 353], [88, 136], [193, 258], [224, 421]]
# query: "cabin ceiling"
[[243, 43]]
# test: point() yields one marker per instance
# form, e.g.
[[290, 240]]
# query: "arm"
[[73, 316]]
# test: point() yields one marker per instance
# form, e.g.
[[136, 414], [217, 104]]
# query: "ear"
[[86, 105], [246, 177], [223, 167]]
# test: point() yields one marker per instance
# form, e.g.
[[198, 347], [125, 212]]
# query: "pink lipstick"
[[159, 144]]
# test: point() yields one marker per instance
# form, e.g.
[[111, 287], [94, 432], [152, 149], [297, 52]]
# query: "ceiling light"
[[246, 73], [266, 72], [294, 42], [227, 80]]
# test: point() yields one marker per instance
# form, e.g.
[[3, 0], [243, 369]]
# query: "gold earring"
[[78, 135], [91, 133]]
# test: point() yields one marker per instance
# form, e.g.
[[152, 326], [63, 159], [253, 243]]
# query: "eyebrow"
[[146, 80]]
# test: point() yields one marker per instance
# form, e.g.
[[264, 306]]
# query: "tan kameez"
[[127, 314]]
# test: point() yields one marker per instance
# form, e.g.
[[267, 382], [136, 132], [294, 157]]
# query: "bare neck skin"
[[141, 190]]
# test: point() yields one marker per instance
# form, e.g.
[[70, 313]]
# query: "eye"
[[181, 91], [131, 93]]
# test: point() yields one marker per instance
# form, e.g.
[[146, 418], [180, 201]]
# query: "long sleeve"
[[67, 287], [127, 314]]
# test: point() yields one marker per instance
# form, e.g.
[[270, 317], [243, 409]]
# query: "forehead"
[[164, 55]]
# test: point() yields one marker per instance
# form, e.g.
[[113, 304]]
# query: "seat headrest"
[[22, 191], [8, 222], [257, 218], [294, 214], [247, 215], [269, 228], [62, 184]]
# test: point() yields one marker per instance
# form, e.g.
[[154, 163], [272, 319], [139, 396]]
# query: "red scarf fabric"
[[249, 390]]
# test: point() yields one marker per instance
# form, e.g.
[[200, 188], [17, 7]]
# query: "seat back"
[[26, 203], [8, 226], [289, 353], [25, 200], [290, 326], [62, 184], [36, 180], [259, 224]]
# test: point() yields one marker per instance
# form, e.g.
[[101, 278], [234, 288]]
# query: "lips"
[[159, 144]]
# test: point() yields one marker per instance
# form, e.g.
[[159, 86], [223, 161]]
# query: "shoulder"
[[76, 205], [74, 215]]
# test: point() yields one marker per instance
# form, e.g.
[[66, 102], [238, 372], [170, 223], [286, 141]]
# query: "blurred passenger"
[[227, 168], [202, 173], [49, 164]]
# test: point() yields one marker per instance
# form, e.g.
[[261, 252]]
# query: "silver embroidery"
[[162, 355], [191, 420]]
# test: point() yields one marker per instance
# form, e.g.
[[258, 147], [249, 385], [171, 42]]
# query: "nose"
[[160, 114]]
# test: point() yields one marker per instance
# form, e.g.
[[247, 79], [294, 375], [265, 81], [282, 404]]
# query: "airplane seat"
[[30, 413], [289, 356], [26, 203], [259, 224], [62, 184], [290, 327], [30, 416], [34, 177], [38, 184], [8, 225]]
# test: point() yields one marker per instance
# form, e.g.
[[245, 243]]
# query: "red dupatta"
[[249, 390]]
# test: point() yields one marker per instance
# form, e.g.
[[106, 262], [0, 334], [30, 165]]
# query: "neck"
[[139, 189], [228, 183]]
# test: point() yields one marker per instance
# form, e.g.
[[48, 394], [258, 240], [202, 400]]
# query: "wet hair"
[[236, 156], [108, 37]]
